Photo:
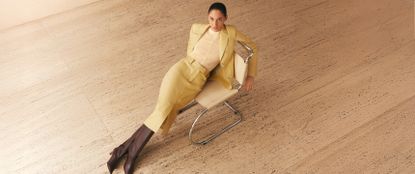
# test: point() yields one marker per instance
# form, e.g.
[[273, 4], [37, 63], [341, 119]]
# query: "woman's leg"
[[179, 86], [168, 96], [171, 91], [162, 106], [171, 118], [165, 126], [193, 84]]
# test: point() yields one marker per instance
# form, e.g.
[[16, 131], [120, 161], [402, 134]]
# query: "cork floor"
[[335, 91]]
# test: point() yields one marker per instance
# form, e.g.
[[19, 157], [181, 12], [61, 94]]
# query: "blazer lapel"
[[223, 42], [223, 39]]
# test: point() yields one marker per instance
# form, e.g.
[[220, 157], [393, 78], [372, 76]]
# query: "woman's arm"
[[188, 51]]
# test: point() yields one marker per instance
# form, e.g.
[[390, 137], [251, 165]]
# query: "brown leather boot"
[[118, 152], [141, 138]]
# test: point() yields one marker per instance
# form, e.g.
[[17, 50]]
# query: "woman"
[[210, 54]]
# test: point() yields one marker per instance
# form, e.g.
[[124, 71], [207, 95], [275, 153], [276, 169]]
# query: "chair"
[[214, 93]]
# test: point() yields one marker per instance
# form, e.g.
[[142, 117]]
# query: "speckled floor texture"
[[335, 91]]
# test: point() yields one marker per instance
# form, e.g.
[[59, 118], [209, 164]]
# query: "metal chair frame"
[[204, 111]]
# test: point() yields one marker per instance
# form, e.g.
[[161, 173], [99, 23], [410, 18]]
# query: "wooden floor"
[[335, 91]]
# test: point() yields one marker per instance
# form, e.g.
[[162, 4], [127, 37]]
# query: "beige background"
[[334, 94], [18, 12]]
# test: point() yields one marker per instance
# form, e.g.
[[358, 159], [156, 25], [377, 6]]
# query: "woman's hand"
[[249, 82]]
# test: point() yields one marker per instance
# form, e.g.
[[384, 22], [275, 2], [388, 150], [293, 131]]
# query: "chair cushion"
[[214, 93], [241, 69]]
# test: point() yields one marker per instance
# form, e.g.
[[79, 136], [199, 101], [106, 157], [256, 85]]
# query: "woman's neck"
[[210, 28]]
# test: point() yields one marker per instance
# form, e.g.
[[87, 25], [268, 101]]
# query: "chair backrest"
[[241, 64], [241, 69]]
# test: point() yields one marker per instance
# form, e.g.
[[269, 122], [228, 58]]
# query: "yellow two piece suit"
[[185, 79]]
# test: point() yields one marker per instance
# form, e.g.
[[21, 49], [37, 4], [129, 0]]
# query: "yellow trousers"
[[180, 85]]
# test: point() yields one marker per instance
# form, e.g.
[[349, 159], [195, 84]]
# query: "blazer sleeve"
[[190, 40], [252, 63]]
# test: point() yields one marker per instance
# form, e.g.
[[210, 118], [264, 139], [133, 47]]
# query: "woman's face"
[[216, 20]]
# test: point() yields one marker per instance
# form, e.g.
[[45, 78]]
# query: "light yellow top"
[[206, 50]]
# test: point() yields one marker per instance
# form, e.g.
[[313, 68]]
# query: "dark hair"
[[218, 6]]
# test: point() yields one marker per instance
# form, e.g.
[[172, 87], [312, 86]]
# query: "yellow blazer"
[[224, 72]]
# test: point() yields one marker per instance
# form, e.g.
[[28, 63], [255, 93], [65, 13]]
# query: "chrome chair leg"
[[214, 135], [232, 108], [188, 106]]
